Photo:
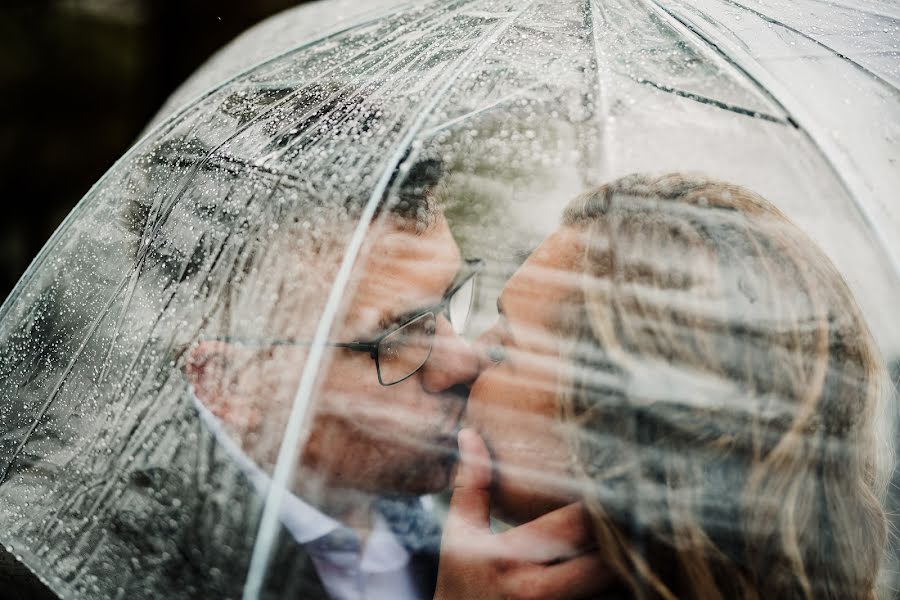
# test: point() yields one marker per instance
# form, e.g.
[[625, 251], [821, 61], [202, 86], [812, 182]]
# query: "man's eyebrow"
[[391, 319], [500, 309]]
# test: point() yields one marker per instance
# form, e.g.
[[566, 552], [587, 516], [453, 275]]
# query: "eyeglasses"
[[402, 350]]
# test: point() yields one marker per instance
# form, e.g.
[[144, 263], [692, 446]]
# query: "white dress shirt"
[[379, 570]]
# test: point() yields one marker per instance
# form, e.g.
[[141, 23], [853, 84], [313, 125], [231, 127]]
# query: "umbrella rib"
[[717, 103], [714, 46], [601, 108], [808, 37], [268, 527]]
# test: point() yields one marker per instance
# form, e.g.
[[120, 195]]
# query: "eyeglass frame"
[[472, 267]]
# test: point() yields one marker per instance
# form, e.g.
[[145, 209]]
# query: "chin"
[[421, 477]]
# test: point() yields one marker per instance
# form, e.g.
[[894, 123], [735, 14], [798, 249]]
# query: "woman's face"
[[513, 403]]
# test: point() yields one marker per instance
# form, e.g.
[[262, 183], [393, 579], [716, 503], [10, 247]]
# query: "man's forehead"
[[401, 270], [389, 237], [397, 271]]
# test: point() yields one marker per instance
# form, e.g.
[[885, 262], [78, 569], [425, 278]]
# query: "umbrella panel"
[[152, 354]]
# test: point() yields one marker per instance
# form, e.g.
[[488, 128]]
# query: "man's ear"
[[207, 370], [211, 369]]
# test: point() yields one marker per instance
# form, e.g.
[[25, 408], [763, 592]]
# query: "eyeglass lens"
[[402, 352], [460, 306]]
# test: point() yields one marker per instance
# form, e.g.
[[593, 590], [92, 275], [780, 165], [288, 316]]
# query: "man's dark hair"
[[222, 193]]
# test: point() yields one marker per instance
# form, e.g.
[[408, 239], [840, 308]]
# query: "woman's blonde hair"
[[724, 384]]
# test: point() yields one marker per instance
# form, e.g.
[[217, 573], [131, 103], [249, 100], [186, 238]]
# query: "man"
[[385, 415]]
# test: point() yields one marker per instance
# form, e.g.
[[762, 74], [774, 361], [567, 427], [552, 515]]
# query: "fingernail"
[[465, 439]]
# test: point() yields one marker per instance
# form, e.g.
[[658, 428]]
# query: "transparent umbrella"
[[239, 366]]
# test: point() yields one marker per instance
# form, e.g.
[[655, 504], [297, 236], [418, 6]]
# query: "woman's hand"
[[544, 558]]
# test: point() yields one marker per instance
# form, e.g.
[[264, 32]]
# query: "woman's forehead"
[[535, 294], [551, 270]]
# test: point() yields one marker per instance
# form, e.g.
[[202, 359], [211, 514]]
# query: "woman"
[[683, 360]]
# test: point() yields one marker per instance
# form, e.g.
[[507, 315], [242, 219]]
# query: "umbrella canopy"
[[169, 380]]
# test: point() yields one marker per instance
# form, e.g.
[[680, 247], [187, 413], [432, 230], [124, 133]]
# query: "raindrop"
[[748, 290]]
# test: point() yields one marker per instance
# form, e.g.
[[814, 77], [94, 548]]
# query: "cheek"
[[485, 401], [353, 401], [517, 418], [348, 386], [519, 422]]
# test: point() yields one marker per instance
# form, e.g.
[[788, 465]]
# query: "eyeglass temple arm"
[[371, 348]]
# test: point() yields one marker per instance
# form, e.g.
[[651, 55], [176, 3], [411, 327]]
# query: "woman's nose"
[[453, 360], [488, 349]]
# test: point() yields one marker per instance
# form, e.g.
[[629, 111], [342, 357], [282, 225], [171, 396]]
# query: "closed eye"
[[389, 323]]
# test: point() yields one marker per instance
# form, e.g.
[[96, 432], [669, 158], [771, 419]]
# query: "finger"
[[560, 534], [471, 501], [582, 577]]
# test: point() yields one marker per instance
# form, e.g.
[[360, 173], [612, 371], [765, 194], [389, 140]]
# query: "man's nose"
[[453, 361]]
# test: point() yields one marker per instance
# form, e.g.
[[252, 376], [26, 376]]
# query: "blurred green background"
[[79, 79]]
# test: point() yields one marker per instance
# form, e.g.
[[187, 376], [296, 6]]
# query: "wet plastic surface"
[[285, 204]]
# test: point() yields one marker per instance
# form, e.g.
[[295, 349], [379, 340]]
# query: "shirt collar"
[[383, 552]]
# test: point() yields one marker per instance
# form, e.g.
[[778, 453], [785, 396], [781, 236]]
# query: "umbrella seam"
[[712, 102], [601, 109], [715, 47], [62, 379], [808, 37]]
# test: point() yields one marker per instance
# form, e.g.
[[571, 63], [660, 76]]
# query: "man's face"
[[363, 435]]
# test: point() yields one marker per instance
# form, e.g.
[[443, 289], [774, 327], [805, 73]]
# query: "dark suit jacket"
[[170, 516]]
